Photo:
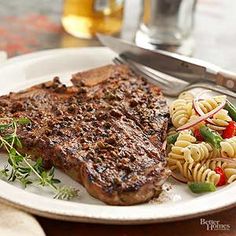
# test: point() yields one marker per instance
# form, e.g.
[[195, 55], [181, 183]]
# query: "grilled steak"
[[106, 131]]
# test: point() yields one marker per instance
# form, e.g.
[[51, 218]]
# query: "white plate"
[[24, 71]]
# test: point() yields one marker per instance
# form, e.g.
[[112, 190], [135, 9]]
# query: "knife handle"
[[226, 79]]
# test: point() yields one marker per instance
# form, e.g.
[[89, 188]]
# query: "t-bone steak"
[[106, 131]]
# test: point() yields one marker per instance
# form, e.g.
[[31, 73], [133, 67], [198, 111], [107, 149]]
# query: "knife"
[[189, 69]]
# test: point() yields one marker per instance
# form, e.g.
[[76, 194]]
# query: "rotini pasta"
[[190, 111], [180, 112], [208, 104], [198, 173], [228, 147], [212, 164], [221, 119], [187, 96], [184, 139], [199, 151], [172, 163], [194, 117], [230, 173], [229, 169]]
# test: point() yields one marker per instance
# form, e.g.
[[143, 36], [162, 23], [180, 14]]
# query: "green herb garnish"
[[21, 168]]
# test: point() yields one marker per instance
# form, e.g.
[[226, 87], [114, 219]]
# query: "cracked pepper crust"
[[106, 131]]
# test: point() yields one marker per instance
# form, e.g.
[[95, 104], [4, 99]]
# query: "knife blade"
[[186, 68]]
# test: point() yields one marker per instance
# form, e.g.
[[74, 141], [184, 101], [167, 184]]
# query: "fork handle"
[[226, 79]]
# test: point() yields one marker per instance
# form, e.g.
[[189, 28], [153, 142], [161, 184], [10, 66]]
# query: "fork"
[[171, 86]]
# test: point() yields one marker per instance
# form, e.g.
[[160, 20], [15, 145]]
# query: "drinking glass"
[[84, 18], [165, 23]]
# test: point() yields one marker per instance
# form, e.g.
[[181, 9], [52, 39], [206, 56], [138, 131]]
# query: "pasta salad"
[[201, 142]]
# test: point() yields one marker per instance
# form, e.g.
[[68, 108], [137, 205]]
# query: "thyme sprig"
[[22, 168]]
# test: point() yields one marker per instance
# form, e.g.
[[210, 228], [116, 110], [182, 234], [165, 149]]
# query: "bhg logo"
[[214, 225]]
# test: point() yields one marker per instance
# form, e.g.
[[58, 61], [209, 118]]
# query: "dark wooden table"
[[180, 228], [27, 26]]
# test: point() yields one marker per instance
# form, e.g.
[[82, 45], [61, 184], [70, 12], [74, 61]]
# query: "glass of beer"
[[84, 18]]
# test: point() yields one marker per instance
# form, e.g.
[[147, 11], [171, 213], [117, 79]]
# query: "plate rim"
[[98, 220], [57, 214], [93, 219]]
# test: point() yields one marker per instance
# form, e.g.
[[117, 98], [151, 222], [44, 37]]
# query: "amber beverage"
[[84, 18]]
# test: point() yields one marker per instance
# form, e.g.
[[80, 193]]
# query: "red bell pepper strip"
[[197, 134], [223, 178], [230, 130]]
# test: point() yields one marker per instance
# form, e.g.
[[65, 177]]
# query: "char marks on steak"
[[106, 131]]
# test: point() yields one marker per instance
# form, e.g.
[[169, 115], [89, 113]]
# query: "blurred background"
[[28, 26]]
